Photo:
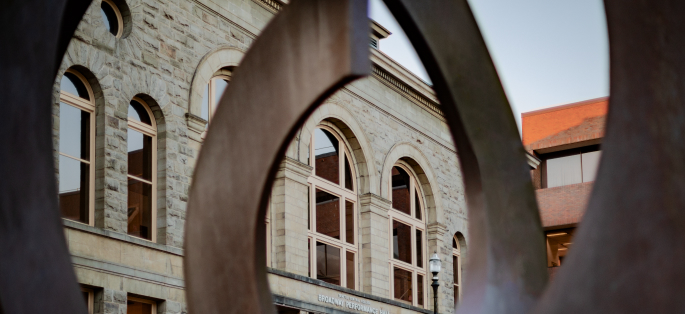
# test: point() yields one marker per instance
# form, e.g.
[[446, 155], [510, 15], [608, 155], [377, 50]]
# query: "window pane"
[[455, 269], [456, 296], [590, 164], [402, 284], [70, 83], [309, 257], [205, 104], [417, 205], [454, 243], [563, 171], [327, 214], [137, 111], [327, 263], [326, 155], [74, 186], [419, 248], [74, 131], [401, 241], [309, 207], [349, 184], [400, 190], [134, 307], [219, 88], [139, 155], [139, 209], [110, 18], [350, 270], [419, 290], [349, 222]]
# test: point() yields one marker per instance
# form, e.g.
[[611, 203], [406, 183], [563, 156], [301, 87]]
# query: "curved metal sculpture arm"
[[307, 52], [506, 271], [36, 275]]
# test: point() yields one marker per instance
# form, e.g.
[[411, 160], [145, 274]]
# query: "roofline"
[[562, 107]]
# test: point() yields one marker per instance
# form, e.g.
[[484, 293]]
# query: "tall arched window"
[[407, 249], [456, 268], [212, 94], [332, 215], [142, 165], [76, 148]]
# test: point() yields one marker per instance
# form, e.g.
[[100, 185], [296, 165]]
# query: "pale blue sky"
[[547, 52]]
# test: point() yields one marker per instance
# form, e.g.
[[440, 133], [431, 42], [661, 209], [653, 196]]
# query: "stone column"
[[289, 217], [375, 239], [109, 301], [435, 236]]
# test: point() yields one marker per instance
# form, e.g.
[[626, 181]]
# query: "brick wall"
[[563, 205], [564, 124]]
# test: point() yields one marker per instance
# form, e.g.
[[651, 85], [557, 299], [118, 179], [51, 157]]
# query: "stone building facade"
[[164, 57]]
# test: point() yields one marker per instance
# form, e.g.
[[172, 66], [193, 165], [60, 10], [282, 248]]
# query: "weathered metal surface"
[[629, 248], [36, 275], [506, 270], [309, 50]]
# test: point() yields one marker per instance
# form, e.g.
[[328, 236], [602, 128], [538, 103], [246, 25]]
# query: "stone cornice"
[[196, 125], [272, 5], [373, 203], [437, 229], [294, 170]]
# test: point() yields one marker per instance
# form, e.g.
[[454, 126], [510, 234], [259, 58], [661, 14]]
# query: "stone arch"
[[220, 57], [408, 153], [354, 137]]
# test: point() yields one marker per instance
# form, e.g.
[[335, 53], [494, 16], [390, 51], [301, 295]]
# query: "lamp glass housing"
[[434, 264]]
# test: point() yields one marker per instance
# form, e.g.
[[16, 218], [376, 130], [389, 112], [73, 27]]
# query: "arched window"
[[407, 253], [76, 164], [212, 94], [332, 215], [142, 165], [111, 16], [456, 269]]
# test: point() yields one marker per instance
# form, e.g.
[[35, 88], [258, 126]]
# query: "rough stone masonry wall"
[[157, 58]]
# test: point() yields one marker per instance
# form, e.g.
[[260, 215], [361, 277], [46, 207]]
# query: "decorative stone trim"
[[272, 5], [397, 84], [196, 126], [373, 203]]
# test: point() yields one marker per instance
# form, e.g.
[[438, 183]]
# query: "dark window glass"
[[419, 248], [309, 257], [349, 184], [139, 209], [401, 242], [349, 222], [400, 190], [74, 185], [134, 307], [456, 296], [109, 17], [417, 205], [403, 285], [136, 111], [455, 269], [74, 132], [204, 114], [454, 243], [327, 214], [139, 155], [327, 156], [350, 269], [309, 207], [72, 84], [419, 290], [327, 263]]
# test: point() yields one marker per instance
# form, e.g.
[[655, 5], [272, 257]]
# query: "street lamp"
[[434, 265]]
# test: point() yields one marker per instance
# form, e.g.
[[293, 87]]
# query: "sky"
[[547, 52]]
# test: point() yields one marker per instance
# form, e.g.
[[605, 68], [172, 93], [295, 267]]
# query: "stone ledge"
[[345, 290], [121, 237], [126, 271]]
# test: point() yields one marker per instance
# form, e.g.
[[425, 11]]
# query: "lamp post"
[[434, 265]]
